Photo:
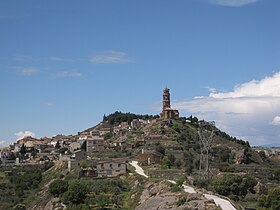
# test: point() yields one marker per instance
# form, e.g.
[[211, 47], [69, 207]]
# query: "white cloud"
[[65, 74], [22, 57], [110, 56], [232, 3], [23, 134], [50, 104], [211, 89], [26, 71], [54, 58], [244, 112], [276, 121]]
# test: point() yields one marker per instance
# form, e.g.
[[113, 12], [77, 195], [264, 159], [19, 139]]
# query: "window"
[[119, 165]]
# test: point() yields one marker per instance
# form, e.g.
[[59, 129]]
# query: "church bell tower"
[[168, 113], [166, 99]]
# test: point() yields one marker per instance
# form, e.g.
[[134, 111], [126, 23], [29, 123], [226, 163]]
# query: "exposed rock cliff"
[[160, 196]]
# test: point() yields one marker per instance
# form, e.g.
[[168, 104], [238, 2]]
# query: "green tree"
[[160, 149], [57, 145], [102, 201], [23, 150], [58, 187], [62, 150], [84, 164], [276, 174], [172, 159], [221, 154], [178, 163], [108, 136], [188, 161], [270, 201], [165, 163], [76, 193], [235, 185], [180, 181], [12, 156], [84, 145]]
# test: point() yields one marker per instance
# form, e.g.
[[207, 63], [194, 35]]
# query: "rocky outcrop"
[[159, 196], [260, 188]]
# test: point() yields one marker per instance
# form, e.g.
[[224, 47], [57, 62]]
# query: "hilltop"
[[179, 144], [184, 149]]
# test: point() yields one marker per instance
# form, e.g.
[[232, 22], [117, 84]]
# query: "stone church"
[[167, 112]]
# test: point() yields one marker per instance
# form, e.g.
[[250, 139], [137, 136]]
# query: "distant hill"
[[195, 148]]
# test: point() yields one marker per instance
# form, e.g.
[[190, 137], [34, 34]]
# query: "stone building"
[[149, 157], [110, 168], [167, 112]]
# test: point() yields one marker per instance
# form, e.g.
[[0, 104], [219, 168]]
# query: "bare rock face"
[[260, 188], [240, 156], [158, 196]]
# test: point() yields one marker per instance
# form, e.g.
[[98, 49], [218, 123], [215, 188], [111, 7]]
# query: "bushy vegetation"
[[234, 186], [100, 193], [119, 117], [15, 188], [58, 187], [270, 201], [76, 193]]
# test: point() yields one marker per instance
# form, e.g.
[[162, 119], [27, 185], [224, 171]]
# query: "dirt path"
[[138, 169], [223, 203]]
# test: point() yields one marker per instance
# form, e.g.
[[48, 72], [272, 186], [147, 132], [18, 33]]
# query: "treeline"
[[119, 117], [195, 122], [234, 139], [235, 186], [16, 187], [100, 193]]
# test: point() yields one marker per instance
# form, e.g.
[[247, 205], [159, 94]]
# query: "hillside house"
[[95, 133], [74, 146], [88, 172], [95, 145], [104, 131], [79, 155], [149, 157], [5, 155], [110, 168]]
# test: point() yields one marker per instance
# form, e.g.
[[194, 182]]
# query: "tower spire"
[[167, 112]]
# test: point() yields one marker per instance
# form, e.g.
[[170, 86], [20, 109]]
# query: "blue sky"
[[64, 64]]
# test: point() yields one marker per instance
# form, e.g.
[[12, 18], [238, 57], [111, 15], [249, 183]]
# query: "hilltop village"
[[166, 146], [108, 136]]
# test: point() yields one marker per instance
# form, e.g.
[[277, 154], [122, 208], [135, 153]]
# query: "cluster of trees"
[[25, 180], [221, 154], [169, 161], [101, 193], [119, 117], [270, 201], [234, 139], [15, 188], [234, 186]]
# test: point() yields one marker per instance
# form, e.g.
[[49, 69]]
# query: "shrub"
[[235, 185], [270, 201], [58, 187], [76, 193]]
